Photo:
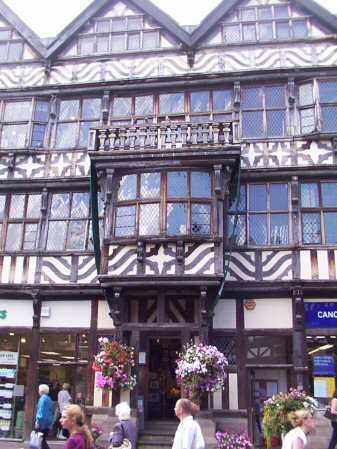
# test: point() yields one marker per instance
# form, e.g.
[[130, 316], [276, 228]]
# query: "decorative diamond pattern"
[[226, 345]]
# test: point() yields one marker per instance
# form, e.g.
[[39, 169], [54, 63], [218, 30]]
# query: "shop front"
[[321, 324]]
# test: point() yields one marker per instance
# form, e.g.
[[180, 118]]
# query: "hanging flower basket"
[[201, 369], [276, 409], [113, 365], [228, 440]]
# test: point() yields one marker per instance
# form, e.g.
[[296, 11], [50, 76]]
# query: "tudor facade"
[[167, 127]]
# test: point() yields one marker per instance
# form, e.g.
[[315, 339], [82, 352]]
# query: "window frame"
[[318, 210], [162, 200], [6, 221], [245, 214]]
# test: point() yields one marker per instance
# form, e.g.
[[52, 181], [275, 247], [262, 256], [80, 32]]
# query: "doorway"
[[264, 383], [163, 389]]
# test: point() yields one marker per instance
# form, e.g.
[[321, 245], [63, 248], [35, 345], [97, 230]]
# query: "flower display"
[[227, 440], [276, 409], [201, 368], [113, 365], [96, 431]]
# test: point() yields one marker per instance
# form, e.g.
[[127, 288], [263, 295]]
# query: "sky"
[[48, 17]]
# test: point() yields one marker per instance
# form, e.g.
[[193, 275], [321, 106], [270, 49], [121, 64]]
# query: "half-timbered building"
[[161, 184]]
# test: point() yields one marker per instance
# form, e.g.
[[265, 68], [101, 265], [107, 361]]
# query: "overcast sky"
[[48, 17]]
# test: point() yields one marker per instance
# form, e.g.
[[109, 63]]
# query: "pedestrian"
[[188, 434], [303, 422], [124, 428], [333, 439], [72, 419], [44, 414], [63, 399]]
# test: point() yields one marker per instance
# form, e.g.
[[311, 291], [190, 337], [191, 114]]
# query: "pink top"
[[75, 441]]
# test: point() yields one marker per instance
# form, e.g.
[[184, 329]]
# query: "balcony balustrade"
[[165, 135]]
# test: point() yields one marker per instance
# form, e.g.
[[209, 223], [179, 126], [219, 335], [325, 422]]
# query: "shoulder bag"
[[329, 415]]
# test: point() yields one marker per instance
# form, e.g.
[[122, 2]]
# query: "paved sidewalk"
[[6, 444]]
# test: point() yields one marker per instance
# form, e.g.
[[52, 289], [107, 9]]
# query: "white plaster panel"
[[6, 268], [67, 314], [104, 321], [217, 400], [225, 314], [269, 313], [319, 300], [233, 391], [323, 264], [305, 263], [19, 313]]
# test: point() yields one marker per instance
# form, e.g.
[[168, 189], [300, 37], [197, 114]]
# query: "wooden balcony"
[[165, 135]]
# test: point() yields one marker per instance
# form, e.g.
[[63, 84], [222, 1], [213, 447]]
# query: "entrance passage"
[[163, 390]]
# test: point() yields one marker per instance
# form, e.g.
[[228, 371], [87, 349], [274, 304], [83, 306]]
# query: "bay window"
[[166, 202]]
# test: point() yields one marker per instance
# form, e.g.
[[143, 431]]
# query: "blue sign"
[[321, 314], [324, 365]]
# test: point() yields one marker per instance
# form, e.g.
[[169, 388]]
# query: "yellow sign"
[[324, 387]]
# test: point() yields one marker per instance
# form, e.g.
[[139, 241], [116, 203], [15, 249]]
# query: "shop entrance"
[[264, 383], [163, 390]]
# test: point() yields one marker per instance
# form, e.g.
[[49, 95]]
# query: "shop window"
[[75, 118], [262, 215], [63, 348], [319, 212], [19, 221], [266, 23], [264, 111], [69, 223], [24, 124], [166, 202]]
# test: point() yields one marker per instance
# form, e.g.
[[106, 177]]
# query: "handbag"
[[329, 415], [35, 441], [125, 445]]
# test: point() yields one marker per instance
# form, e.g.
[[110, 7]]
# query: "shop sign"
[[324, 365], [8, 358], [321, 314]]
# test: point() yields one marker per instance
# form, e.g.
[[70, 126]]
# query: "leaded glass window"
[[24, 124], [319, 212], [109, 35], [166, 202], [69, 223], [21, 221], [261, 215], [266, 23], [264, 111], [75, 117]]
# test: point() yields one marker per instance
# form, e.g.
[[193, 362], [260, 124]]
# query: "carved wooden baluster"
[[153, 135], [205, 132], [102, 137], [142, 136], [173, 135], [184, 133], [162, 135], [215, 131], [194, 133], [132, 137], [112, 138], [122, 137], [226, 131]]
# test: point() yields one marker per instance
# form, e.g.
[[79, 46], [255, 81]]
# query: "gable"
[[260, 21], [266, 21], [120, 27], [13, 46]]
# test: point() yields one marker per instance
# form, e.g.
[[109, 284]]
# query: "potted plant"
[[276, 409], [113, 365], [201, 369], [227, 440]]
